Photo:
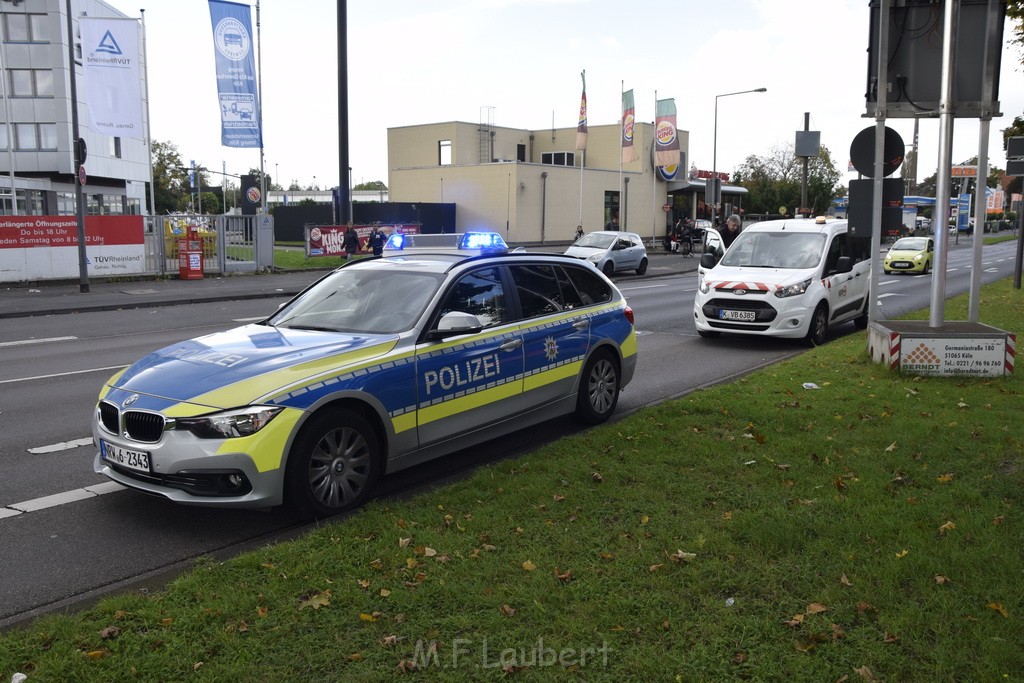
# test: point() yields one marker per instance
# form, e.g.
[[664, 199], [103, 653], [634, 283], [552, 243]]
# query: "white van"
[[789, 278]]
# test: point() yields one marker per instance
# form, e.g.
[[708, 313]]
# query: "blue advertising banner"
[[236, 74]]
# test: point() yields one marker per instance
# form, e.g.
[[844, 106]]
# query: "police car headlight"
[[793, 290], [229, 424]]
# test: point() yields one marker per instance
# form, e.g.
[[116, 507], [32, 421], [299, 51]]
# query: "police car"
[[380, 365], [789, 278]]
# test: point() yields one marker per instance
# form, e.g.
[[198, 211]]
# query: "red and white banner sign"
[[329, 240], [46, 247]]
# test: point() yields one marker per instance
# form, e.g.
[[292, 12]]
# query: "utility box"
[[190, 255]]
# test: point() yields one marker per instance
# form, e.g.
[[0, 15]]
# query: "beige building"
[[529, 185]]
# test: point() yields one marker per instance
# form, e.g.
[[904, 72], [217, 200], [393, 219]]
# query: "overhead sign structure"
[[110, 62], [963, 171], [236, 75]]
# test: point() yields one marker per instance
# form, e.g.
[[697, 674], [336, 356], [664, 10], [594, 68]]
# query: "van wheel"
[[643, 267], [333, 464], [818, 331], [609, 268], [599, 389], [861, 321]]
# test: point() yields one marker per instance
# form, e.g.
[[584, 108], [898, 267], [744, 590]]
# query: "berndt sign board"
[[46, 247]]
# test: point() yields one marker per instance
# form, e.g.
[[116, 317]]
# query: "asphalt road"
[[84, 537]]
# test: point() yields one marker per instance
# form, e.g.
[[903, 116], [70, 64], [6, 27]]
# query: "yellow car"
[[910, 255]]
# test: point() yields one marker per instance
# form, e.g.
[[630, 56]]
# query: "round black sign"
[[862, 152]]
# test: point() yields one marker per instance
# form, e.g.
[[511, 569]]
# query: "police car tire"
[[329, 440], [599, 389], [817, 333]]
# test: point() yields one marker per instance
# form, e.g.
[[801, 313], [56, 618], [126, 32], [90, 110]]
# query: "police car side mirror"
[[708, 260], [454, 323]]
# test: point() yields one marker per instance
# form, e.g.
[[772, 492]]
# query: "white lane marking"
[[63, 374], [62, 446], [887, 295], [56, 499], [47, 340], [248, 320], [883, 283]]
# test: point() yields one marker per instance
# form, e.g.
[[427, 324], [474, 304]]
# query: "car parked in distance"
[[380, 365], [611, 251], [910, 255]]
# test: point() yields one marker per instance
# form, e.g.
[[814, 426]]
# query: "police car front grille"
[[141, 426], [109, 417], [211, 483]]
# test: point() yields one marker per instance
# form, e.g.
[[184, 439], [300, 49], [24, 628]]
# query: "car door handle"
[[511, 344], [581, 324]]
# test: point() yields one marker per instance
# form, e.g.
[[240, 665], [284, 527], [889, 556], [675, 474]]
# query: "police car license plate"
[[133, 460], [743, 316]]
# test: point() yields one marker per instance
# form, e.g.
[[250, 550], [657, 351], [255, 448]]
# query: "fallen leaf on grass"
[[945, 478], [940, 579], [998, 607], [889, 639], [384, 592], [563, 576], [996, 521], [363, 616], [316, 600], [110, 632], [891, 447], [529, 566], [845, 581], [596, 476], [655, 567], [679, 556], [816, 608], [901, 554], [403, 542], [389, 641], [948, 526], [795, 621], [865, 673], [355, 657], [98, 654]]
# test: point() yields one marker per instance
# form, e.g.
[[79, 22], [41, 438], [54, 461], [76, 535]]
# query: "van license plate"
[[743, 316]]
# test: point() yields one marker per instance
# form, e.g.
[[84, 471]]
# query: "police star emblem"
[[550, 348]]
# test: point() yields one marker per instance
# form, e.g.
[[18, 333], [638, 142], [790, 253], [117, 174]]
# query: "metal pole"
[[943, 180], [83, 268], [714, 167], [149, 134], [10, 129], [807, 160], [259, 88], [878, 184], [344, 169]]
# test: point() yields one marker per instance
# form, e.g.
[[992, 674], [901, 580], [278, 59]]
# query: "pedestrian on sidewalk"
[[376, 240], [350, 242]]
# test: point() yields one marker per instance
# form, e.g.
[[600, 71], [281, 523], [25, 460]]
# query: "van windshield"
[[795, 250]]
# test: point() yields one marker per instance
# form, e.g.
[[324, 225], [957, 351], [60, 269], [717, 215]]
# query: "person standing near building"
[[350, 242], [579, 232], [376, 240]]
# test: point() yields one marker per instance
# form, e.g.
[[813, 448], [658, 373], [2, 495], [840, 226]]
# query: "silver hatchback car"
[[612, 252]]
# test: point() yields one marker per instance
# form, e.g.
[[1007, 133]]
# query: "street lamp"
[[714, 152]]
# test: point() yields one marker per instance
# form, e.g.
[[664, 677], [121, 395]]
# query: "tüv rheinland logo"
[[231, 38], [108, 45]]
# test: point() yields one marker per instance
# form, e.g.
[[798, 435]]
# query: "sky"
[[518, 63]]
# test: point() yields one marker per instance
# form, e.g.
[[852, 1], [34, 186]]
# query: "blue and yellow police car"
[[380, 365]]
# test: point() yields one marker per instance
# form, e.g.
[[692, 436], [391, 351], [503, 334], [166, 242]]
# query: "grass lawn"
[[866, 530]]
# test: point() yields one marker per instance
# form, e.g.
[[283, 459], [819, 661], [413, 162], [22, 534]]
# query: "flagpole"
[[259, 88], [583, 157], [149, 129], [654, 174], [622, 129]]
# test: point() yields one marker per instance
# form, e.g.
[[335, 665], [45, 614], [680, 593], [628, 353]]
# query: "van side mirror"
[[844, 265]]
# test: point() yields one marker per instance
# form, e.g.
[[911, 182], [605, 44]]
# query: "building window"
[[558, 158], [24, 28], [3, 136], [31, 83], [521, 153], [32, 136], [65, 203], [115, 147], [444, 153]]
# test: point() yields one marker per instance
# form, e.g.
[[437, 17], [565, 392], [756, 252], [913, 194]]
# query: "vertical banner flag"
[[581, 129], [110, 63], [666, 137], [236, 75], [628, 115]]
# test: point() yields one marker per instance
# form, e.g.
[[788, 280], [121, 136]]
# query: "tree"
[[170, 179], [377, 185], [775, 180]]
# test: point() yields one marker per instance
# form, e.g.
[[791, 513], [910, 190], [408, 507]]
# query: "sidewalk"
[[19, 300]]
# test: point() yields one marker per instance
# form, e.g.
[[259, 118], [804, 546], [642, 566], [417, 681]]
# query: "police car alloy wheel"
[[599, 390], [333, 466]]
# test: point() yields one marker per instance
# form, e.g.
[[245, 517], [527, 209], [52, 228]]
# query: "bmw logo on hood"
[[130, 400]]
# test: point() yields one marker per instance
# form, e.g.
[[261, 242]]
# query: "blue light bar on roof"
[[485, 241]]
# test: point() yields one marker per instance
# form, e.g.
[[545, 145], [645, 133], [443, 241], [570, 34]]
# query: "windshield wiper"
[[314, 328]]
